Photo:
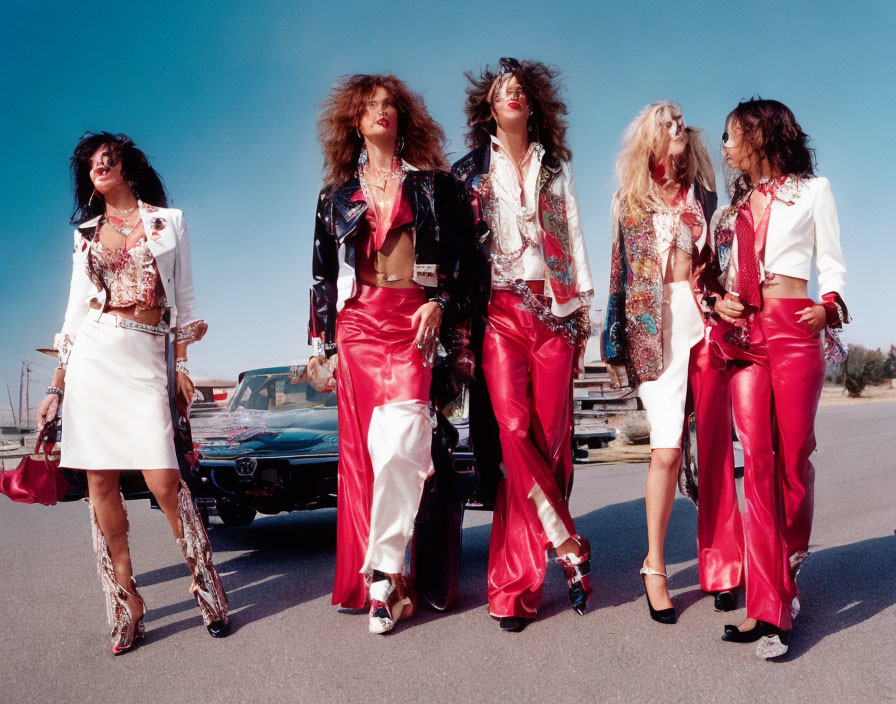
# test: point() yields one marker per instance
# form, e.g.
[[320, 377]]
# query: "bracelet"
[[181, 366], [439, 301], [54, 390]]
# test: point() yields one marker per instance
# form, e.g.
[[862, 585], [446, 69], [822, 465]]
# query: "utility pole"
[[12, 409], [21, 423], [27, 395]]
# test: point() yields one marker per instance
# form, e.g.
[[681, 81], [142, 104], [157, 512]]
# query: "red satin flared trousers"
[[720, 534], [774, 411], [384, 435], [528, 370]]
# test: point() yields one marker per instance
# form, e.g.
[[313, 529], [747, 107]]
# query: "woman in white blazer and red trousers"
[[770, 335]]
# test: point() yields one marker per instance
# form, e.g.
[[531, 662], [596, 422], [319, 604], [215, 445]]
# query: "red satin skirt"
[[528, 370], [720, 535], [385, 435], [774, 411]]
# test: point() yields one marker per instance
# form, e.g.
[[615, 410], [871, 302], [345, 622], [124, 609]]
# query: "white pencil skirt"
[[664, 399], [115, 411]]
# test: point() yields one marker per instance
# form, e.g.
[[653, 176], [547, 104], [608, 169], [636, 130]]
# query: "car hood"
[[294, 433]]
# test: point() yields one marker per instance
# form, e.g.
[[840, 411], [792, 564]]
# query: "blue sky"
[[222, 96]]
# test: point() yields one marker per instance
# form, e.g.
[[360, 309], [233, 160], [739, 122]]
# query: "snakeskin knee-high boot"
[[126, 631], [206, 587]]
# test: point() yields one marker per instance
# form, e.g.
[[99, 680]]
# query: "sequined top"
[[129, 276]]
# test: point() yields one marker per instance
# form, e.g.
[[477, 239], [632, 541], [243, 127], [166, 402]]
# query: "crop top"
[[802, 222]]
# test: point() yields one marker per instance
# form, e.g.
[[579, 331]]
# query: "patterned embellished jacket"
[[633, 332], [438, 231], [569, 275], [167, 239]]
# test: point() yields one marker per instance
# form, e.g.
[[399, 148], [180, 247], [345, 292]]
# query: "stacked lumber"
[[595, 402]]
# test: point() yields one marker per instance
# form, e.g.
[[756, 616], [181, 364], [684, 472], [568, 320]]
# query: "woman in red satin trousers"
[[530, 327], [781, 215]]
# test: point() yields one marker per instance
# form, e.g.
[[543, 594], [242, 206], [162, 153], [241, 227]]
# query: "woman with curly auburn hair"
[[665, 198], [386, 270], [131, 296], [529, 328], [769, 333]]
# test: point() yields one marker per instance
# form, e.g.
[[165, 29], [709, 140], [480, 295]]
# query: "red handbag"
[[37, 479]]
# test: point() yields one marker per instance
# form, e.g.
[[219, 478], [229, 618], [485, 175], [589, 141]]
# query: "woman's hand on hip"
[[427, 319], [814, 316]]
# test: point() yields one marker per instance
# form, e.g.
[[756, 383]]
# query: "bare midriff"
[[678, 266], [780, 286], [392, 266]]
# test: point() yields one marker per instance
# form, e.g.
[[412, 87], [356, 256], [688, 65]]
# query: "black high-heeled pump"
[[667, 616], [724, 601], [773, 642], [513, 624], [733, 634]]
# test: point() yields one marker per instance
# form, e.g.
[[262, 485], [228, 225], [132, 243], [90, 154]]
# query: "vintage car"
[[275, 449]]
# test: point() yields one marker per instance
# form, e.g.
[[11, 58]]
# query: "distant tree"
[[874, 367], [834, 371], [854, 378], [890, 364]]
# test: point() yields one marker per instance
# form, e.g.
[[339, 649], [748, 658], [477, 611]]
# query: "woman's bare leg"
[[104, 492], [164, 485], [662, 477]]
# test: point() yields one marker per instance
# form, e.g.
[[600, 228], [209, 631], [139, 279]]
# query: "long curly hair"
[[770, 131], [423, 138], [541, 83], [145, 182], [642, 141]]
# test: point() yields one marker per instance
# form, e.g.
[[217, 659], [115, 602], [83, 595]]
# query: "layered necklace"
[[376, 189], [123, 223]]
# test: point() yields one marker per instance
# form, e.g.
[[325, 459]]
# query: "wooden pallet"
[[596, 403]]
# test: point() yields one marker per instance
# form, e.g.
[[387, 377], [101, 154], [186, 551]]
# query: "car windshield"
[[278, 391]]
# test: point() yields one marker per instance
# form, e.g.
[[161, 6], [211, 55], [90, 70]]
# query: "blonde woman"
[[660, 212]]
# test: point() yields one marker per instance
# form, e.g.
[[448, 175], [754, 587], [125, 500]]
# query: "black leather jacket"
[[441, 239]]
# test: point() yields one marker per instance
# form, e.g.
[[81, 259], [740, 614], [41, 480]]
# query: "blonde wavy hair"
[[644, 139]]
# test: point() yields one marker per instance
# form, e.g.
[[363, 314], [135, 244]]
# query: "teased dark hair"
[[547, 123], [145, 183], [424, 138], [770, 130]]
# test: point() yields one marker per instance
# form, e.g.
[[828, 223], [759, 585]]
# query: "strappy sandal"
[[577, 569]]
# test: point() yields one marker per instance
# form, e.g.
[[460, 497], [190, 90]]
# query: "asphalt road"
[[289, 644]]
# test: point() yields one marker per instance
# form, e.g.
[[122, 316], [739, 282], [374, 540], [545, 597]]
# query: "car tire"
[[232, 515]]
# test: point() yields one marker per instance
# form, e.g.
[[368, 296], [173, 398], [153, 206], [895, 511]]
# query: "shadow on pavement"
[[291, 561], [286, 561], [618, 536], [842, 587]]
